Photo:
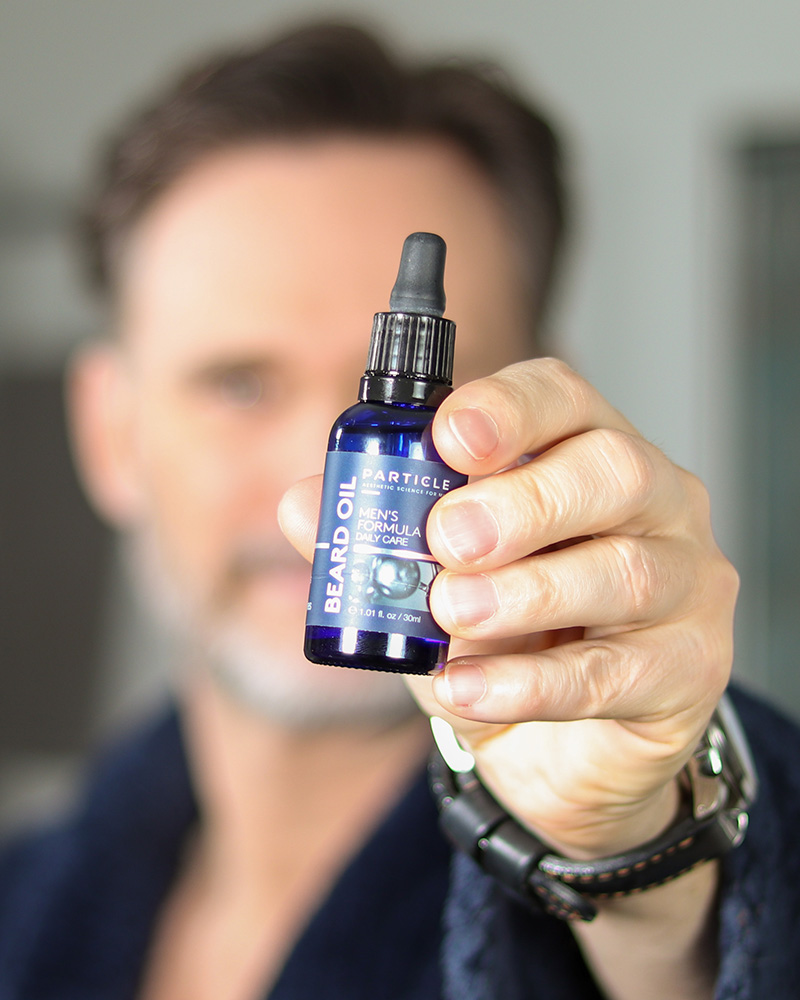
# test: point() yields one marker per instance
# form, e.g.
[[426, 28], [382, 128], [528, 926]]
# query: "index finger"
[[487, 424]]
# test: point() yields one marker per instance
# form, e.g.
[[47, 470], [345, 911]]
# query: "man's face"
[[246, 300]]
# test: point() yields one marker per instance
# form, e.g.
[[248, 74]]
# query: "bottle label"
[[372, 565]]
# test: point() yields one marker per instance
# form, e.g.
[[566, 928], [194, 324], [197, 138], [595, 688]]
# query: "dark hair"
[[334, 78]]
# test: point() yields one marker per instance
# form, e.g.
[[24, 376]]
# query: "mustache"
[[257, 557]]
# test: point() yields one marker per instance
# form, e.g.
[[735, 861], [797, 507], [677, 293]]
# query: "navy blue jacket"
[[406, 920]]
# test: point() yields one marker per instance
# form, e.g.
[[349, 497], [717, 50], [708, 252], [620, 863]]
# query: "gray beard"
[[277, 684], [283, 693]]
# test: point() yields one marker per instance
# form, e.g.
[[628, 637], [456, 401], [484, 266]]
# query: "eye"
[[236, 385], [242, 388]]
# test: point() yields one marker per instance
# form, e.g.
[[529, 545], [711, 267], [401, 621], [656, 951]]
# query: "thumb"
[[298, 514]]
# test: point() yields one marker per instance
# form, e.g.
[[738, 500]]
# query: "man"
[[247, 229]]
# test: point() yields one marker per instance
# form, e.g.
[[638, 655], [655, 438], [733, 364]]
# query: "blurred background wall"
[[680, 303]]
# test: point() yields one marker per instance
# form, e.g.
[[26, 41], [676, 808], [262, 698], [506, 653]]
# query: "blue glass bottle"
[[372, 568]]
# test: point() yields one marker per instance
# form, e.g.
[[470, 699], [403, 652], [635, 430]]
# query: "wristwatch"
[[720, 785]]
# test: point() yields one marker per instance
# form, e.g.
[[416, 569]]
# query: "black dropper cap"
[[411, 349], [420, 281]]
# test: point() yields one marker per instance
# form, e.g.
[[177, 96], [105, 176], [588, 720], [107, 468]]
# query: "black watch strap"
[[720, 782]]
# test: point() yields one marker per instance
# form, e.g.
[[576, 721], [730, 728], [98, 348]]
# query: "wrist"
[[721, 784], [622, 830]]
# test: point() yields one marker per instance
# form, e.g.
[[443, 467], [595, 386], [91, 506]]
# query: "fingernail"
[[468, 529], [465, 684], [475, 431], [469, 599]]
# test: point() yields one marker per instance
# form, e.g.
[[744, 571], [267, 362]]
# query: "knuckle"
[[713, 654], [546, 596], [698, 501], [724, 586], [706, 648], [626, 460], [638, 572], [554, 367], [730, 580], [537, 499], [597, 674], [697, 492], [578, 392]]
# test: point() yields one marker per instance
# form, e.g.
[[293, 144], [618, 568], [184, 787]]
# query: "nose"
[[302, 449], [298, 448]]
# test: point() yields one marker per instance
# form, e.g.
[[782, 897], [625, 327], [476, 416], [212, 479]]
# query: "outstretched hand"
[[590, 608]]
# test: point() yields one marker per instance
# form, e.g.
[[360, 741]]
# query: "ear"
[[100, 407]]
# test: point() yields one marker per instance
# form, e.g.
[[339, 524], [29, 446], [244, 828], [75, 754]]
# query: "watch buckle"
[[721, 774]]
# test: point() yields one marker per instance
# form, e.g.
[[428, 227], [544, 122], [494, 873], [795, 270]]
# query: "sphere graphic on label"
[[395, 578]]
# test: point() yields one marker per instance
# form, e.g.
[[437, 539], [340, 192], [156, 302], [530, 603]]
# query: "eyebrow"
[[209, 371]]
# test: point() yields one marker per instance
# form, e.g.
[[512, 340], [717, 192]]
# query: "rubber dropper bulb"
[[420, 280]]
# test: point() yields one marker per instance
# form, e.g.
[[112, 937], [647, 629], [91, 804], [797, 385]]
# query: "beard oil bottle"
[[372, 571]]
